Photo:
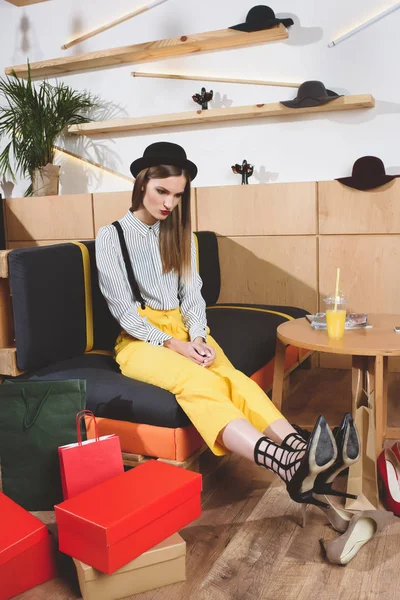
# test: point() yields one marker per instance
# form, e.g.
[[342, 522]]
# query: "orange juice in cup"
[[335, 316]]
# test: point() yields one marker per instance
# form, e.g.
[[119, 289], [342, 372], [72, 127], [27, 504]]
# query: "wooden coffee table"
[[370, 350]]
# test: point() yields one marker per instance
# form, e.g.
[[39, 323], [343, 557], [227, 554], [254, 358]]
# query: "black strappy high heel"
[[348, 445], [304, 465], [320, 455]]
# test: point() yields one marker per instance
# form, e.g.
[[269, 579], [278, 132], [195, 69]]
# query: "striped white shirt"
[[160, 291]]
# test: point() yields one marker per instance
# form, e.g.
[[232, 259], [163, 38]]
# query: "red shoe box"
[[114, 522], [26, 550]]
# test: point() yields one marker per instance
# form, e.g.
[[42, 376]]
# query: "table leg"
[[381, 370], [279, 372], [358, 368]]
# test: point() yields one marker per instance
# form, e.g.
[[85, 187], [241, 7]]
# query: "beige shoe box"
[[162, 565]]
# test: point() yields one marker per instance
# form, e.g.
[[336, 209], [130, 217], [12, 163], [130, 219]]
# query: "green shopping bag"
[[36, 417]]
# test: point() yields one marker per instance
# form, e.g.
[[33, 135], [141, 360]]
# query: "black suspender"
[[131, 277]]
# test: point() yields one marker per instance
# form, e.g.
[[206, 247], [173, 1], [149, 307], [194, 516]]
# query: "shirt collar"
[[141, 227]]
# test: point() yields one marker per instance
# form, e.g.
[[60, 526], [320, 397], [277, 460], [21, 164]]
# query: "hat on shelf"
[[261, 17], [368, 173], [311, 93], [163, 153]]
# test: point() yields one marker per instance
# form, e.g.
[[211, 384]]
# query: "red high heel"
[[396, 449], [389, 472]]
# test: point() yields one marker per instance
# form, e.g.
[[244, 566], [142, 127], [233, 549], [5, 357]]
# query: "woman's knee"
[[198, 379]]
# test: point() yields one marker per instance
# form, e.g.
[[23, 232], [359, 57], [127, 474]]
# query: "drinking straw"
[[337, 287]]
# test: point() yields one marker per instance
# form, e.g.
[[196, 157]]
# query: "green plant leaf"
[[32, 117]]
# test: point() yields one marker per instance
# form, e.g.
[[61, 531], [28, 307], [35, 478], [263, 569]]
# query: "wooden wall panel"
[[269, 270], [369, 274], [33, 243], [193, 210], [272, 209], [109, 207], [369, 270], [345, 210], [49, 218]]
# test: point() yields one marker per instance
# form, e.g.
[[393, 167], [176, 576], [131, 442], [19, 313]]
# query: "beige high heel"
[[339, 518], [363, 527]]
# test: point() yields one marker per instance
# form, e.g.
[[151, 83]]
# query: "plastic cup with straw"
[[336, 312]]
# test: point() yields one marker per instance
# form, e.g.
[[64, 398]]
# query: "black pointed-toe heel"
[[348, 445], [320, 455]]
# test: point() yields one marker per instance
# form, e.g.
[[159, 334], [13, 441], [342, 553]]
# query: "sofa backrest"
[[58, 308]]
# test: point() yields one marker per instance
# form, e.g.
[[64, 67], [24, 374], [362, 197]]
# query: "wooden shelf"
[[200, 42], [25, 2], [218, 115]]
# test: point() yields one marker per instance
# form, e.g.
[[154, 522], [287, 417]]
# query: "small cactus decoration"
[[203, 98], [245, 170]]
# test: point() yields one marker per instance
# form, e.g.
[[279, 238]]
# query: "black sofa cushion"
[[247, 333], [48, 298], [105, 328], [208, 262], [114, 396]]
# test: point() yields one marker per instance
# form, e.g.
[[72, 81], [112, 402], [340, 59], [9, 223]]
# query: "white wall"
[[294, 149]]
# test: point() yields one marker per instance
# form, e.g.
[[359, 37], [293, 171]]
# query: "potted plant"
[[31, 119]]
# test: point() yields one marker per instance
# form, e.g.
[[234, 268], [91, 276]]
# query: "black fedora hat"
[[261, 17], [163, 153], [368, 173], [311, 93]]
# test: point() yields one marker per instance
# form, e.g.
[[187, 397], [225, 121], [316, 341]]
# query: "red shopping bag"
[[86, 464]]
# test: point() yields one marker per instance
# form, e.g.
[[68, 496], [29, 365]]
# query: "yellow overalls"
[[211, 396]]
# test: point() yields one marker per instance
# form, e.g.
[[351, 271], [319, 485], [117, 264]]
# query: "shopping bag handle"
[[39, 410], [81, 414]]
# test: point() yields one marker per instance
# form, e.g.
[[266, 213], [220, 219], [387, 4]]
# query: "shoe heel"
[[307, 498], [328, 490], [303, 515], [316, 502]]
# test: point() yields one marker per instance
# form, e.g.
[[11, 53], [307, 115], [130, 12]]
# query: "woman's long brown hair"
[[175, 230]]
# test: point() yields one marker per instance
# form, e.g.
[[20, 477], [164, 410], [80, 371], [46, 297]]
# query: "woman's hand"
[[206, 352], [197, 351]]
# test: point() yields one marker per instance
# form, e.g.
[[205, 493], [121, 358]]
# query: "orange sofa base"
[[172, 443], [161, 442]]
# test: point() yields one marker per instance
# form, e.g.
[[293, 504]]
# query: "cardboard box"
[[26, 550], [162, 565], [111, 524]]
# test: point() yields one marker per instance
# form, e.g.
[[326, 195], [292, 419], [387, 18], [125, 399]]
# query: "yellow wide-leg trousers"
[[211, 396]]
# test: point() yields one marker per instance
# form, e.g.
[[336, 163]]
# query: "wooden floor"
[[248, 544]]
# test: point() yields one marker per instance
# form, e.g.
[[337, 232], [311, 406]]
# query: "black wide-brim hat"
[[368, 173], [164, 153], [261, 17], [311, 93]]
